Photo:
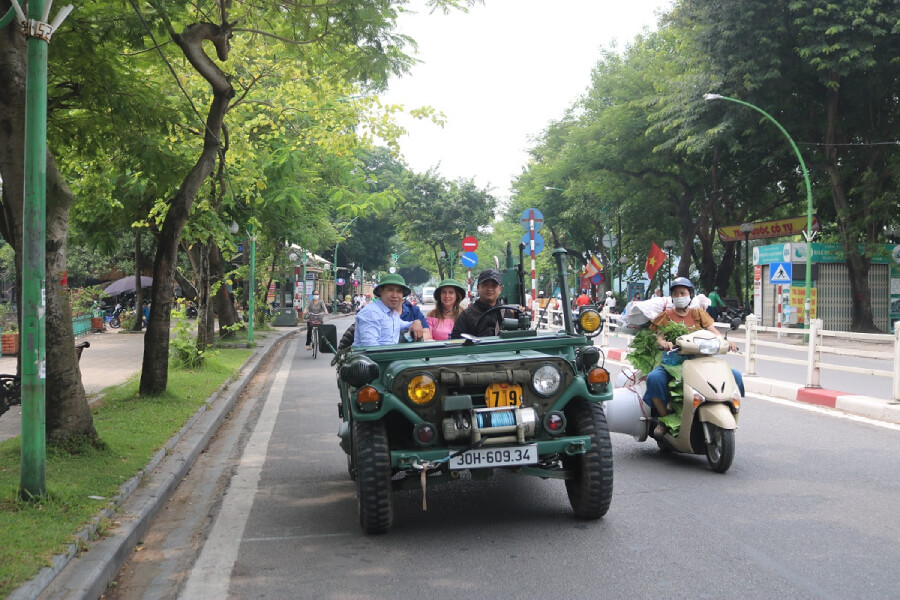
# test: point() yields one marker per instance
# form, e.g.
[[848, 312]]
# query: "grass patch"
[[133, 429]]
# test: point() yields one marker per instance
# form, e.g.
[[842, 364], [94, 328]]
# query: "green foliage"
[[9, 318], [671, 331], [645, 354], [83, 300], [183, 350]]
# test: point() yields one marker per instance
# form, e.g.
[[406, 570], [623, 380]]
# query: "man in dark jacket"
[[490, 285]]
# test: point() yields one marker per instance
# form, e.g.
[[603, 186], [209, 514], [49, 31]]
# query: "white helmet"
[[608, 293]]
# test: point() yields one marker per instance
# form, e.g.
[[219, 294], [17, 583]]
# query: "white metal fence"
[[818, 345], [821, 342]]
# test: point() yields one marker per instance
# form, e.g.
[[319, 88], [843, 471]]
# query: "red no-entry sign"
[[470, 244]]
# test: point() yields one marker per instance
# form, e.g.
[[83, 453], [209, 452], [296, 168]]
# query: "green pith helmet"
[[391, 279], [452, 283]]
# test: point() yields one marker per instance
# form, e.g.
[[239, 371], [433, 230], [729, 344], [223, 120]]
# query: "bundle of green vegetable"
[[646, 355]]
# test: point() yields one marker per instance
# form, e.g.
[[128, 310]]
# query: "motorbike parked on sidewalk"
[[712, 402], [345, 308], [115, 320]]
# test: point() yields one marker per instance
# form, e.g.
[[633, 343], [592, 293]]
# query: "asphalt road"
[[808, 510]]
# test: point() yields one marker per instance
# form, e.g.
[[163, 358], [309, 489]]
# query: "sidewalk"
[[112, 358], [866, 406]]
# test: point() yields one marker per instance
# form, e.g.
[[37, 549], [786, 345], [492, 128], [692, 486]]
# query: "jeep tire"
[[591, 484], [372, 459]]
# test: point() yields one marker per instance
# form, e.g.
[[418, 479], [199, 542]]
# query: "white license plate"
[[484, 458]]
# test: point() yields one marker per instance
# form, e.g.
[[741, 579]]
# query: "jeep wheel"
[[591, 486], [373, 476]]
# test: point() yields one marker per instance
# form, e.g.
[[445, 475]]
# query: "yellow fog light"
[[589, 320], [421, 389]]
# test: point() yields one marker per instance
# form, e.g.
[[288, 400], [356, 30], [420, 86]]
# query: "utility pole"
[[37, 31]]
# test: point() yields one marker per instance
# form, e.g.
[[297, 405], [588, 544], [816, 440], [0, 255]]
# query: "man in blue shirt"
[[412, 312], [380, 322]]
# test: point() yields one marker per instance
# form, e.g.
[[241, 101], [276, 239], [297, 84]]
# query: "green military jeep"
[[524, 401]]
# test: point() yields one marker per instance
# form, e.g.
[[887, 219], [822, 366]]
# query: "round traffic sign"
[[469, 259], [469, 244], [341, 281], [538, 242], [609, 240], [597, 279], [531, 213]]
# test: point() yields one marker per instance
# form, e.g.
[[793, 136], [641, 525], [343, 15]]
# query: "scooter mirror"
[[735, 323]]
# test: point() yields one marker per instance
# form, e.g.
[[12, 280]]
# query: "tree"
[[435, 215], [67, 413], [827, 72]]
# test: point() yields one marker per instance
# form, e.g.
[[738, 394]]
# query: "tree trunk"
[[863, 319], [223, 300], [154, 374], [205, 317], [68, 415]]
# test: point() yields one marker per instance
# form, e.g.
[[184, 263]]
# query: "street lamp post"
[[746, 228], [668, 245], [622, 262], [809, 234], [335, 299]]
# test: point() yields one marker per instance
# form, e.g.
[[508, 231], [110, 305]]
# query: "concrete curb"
[[866, 406], [141, 498]]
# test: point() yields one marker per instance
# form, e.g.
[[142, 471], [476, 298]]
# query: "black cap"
[[490, 274]]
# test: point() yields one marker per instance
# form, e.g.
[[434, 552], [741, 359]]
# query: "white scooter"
[[712, 401]]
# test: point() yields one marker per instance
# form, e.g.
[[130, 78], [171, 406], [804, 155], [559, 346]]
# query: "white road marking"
[[210, 576], [824, 410], [279, 538]]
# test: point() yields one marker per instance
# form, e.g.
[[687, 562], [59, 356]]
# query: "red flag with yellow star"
[[655, 260]]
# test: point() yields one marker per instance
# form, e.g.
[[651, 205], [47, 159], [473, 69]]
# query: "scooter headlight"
[[709, 346], [546, 380]]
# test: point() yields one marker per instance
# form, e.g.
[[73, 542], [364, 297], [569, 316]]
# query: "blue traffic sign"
[[469, 259], [532, 213], [538, 242], [597, 278], [780, 272]]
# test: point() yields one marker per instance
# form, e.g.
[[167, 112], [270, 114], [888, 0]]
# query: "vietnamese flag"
[[655, 260]]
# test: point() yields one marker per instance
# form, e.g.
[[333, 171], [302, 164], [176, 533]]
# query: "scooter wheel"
[[720, 450], [115, 323]]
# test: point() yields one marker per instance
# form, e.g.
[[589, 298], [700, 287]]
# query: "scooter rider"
[[657, 395]]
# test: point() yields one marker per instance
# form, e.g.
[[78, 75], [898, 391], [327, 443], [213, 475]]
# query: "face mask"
[[681, 302], [315, 296]]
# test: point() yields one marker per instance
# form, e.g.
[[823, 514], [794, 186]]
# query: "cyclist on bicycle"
[[315, 315]]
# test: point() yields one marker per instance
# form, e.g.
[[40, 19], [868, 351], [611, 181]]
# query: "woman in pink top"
[[447, 297]]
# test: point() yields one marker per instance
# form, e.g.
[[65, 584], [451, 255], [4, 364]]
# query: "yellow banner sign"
[[798, 297], [768, 229]]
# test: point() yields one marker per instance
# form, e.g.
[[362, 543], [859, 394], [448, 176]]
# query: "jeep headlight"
[[421, 389], [546, 380], [589, 320], [709, 346]]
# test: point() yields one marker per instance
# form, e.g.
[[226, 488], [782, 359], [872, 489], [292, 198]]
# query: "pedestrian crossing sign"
[[780, 272]]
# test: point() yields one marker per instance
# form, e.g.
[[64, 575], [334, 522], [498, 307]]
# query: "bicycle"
[[314, 337]]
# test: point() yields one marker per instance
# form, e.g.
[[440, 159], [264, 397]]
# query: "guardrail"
[[816, 347], [813, 350]]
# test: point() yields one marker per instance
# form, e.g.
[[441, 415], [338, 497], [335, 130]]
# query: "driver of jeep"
[[490, 285], [379, 322]]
